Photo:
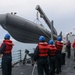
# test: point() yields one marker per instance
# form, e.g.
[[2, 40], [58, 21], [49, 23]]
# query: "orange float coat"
[[9, 46], [52, 49], [59, 45], [43, 49]]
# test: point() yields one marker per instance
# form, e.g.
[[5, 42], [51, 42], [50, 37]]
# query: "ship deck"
[[67, 69]]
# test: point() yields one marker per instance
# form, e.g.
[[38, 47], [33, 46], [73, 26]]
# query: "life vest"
[[59, 45], [43, 49], [68, 45], [9, 46], [73, 45], [52, 49]]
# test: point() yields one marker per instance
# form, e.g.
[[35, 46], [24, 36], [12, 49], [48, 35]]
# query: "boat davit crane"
[[45, 19]]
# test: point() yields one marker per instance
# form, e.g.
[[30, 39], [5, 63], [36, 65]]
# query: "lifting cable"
[[37, 19]]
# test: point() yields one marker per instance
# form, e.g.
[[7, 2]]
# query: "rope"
[[37, 19]]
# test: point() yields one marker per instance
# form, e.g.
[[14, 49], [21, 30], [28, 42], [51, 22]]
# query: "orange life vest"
[[43, 49], [52, 49], [9, 46], [59, 45], [68, 43], [73, 45]]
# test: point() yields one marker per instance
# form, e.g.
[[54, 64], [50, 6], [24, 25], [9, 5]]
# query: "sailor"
[[59, 46], [41, 55], [52, 57], [68, 47], [5, 49]]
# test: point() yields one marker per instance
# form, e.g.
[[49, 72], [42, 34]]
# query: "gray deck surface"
[[67, 69]]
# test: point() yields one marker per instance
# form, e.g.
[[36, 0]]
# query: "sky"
[[62, 12]]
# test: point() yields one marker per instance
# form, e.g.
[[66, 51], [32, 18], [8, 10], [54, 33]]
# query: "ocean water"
[[20, 46]]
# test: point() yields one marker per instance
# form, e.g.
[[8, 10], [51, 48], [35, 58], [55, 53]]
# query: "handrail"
[[16, 57]]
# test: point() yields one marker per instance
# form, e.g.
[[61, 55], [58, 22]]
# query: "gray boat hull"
[[24, 30]]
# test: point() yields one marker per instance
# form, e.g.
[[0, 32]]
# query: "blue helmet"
[[51, 42], [7, 36], [59, 39], [41, 38]]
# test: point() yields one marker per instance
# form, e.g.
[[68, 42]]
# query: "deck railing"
[[16, 57]]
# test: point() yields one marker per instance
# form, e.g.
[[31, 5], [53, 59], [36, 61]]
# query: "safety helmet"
[[51, 42], [7, 36], [41, 38], [59, 39]]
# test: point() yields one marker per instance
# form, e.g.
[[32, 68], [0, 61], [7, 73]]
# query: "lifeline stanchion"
[[33, 69]]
